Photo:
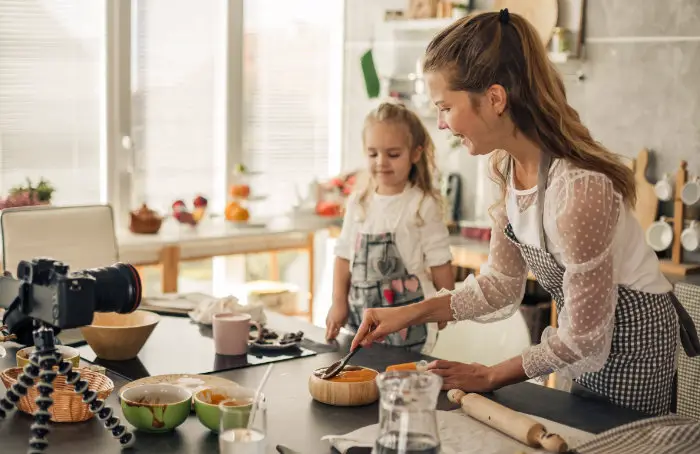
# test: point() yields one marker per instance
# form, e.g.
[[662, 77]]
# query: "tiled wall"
[[643, 79], [642, 86]]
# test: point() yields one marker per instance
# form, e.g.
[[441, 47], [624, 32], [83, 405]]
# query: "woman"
[[565, 214]]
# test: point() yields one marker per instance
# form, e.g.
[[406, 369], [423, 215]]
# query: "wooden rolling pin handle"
[[514, 424], [552, 442]]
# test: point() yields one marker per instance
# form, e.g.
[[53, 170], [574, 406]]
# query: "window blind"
[[178, 99], [288, 82], [51, 95]]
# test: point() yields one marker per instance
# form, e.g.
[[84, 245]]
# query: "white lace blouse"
[[595, 238]]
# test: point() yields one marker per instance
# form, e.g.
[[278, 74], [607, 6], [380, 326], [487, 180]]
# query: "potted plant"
[[28, 195], [460, 9]]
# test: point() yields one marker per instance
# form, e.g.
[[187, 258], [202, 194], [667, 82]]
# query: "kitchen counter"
[[295, 420]]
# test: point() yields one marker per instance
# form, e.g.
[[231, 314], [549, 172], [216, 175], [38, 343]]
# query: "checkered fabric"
[[640, 369], [688, 397], [660, 435]]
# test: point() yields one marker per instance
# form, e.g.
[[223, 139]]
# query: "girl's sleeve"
[[434, 236], [586, 212], [496, 293], [343, 246]]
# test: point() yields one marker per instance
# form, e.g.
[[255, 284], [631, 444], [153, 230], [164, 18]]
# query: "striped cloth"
[[660, 435]]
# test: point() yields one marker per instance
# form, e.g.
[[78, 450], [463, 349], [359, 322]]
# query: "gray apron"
[[379, 279], [640, 369]]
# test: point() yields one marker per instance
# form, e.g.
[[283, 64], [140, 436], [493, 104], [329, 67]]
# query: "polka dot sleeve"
[[496, 293], [585, 210]]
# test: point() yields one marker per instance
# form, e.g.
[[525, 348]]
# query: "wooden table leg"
[[310, 250], [170, 260], [274, 267]]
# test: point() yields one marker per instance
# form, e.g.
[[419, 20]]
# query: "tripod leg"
[[97, 406], [25, 380], [40, 427]]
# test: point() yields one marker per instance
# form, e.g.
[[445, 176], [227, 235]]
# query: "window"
[[178, 100], [291, 85], [51, 96]]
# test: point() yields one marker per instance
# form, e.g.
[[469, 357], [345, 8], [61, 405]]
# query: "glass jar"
[[407, 413]]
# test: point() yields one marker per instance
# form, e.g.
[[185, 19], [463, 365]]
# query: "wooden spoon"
[[335, 368]]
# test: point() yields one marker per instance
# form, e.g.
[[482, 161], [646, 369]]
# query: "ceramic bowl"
[[156, 408], [206, 404], [119, 337], [345, 393], [68, 353]]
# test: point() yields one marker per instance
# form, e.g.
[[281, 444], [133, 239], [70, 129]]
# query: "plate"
[[273, 343], [194, 383], [274, 347]]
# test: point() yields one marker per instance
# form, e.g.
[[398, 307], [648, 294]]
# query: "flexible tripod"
[[41, 364]]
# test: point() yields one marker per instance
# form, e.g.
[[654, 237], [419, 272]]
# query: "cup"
[[690, 237], [231, 333], [690, 194], [659, 235], [237, 433], [664, 188]]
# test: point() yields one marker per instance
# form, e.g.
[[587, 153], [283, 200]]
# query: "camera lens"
[[117, 288]]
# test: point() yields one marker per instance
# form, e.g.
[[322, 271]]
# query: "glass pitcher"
[[407, 413]]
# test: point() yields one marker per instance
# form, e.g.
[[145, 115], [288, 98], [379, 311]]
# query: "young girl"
[[393, 230]]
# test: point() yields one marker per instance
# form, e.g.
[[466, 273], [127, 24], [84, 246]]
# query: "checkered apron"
[[639, 372]]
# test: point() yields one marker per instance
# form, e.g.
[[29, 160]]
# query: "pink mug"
[[231, 333]]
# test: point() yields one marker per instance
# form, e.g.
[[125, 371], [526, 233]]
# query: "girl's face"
[[481, 130], [389, 157]]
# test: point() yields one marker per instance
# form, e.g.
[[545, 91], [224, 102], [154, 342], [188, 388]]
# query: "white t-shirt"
[[421, 245], [635, 264]]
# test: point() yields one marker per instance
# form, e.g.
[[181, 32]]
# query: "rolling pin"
[[516, 425]]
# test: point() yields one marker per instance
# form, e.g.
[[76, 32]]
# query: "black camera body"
[[46, 291]]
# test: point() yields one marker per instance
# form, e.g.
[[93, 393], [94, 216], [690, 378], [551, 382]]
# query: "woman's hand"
[[380, 322], [336, 319], [467, 377]]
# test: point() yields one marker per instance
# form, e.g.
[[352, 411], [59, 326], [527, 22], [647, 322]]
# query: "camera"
[[46, 291]]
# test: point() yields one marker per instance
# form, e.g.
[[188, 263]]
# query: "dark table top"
[[294, 419]]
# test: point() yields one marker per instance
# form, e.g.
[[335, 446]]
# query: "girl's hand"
[[467, 377], [380, 322], [337, 318]]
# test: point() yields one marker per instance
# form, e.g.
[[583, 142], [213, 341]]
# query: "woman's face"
[[476, 119]]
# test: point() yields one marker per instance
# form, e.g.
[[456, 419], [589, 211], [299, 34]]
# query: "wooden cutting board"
[[542, 14], [647, 203]]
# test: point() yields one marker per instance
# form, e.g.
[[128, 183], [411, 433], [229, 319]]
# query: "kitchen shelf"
[[418, 24]]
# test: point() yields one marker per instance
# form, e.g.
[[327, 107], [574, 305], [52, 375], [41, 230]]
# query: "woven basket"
[[67, 404]]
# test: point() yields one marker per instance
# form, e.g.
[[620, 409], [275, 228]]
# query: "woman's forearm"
[[341, 280], [508, 372], [436, 309]]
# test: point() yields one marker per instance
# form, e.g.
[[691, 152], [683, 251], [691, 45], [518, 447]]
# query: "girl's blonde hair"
[[423, 173], [490, 48]]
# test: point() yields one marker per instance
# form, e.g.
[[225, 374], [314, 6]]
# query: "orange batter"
[[354, 376]]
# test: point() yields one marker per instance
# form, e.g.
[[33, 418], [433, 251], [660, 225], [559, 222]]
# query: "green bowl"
[[156, 408], [206, 405]]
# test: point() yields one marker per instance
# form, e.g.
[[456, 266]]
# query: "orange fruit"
[[235, 212]]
